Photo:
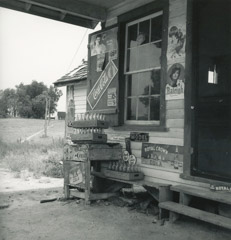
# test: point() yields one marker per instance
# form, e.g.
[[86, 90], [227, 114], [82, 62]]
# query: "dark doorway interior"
[[212, 66]]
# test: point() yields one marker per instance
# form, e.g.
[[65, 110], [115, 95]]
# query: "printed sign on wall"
[[162, 155], [105, 42], [102, 84], [176, 39], [111, 97], [175, 82]]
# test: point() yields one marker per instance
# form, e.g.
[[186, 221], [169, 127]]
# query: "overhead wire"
[[77, 49]]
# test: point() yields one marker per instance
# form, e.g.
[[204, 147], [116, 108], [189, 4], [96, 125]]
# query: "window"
[[143, 70]]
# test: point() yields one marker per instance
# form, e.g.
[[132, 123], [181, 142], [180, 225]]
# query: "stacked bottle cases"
[[89, 127]]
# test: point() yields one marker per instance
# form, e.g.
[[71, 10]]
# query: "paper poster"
[[175, 82], [77, 173], [176, 39], [104, 42], [111, 97], [100, 62]]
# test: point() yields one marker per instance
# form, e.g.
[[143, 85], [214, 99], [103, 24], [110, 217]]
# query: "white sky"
[[36, 48]]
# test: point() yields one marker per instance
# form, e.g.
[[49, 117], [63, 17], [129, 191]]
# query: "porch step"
[[197, 214], [222, 197]]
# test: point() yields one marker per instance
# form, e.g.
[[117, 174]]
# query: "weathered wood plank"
[[167, 175], [196, 213], [169, 141], [175, 123], [175, 104], [204, 193], [175, 114]]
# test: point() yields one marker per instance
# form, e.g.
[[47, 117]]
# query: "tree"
[[28, 100], [8, 103]]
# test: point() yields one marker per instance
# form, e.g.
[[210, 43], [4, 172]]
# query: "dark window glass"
[[131, 109], [156, 28]]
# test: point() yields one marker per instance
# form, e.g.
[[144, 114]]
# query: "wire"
[[77, 49]]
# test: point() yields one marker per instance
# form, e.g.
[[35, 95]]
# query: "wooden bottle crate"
[[89, 137], [132, 176], [90, 124]]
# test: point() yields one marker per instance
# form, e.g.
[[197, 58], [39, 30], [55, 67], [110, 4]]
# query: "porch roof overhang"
[[85, 13]]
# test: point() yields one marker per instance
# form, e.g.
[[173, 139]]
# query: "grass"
[[40, 155]]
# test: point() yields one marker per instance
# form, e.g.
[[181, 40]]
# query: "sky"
[[36, 48]]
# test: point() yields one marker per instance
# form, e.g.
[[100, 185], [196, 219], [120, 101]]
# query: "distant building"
[[61, 115], [76, 83]]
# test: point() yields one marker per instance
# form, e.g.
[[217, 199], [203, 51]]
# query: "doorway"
[[212, 93]]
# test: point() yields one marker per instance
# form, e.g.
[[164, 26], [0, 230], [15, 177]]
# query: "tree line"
[[28, 101]]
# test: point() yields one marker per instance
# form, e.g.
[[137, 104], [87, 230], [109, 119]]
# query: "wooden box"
[[93, 152], [90, 124], [124, 175], [89, 137]]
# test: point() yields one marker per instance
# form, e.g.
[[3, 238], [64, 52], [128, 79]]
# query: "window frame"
[[130, 73], [128, 17]]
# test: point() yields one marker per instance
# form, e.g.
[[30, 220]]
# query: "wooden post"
[[49, 110], [45, 124]]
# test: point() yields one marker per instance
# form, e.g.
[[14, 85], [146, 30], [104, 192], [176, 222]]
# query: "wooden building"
[[76, 92], [160, 69]]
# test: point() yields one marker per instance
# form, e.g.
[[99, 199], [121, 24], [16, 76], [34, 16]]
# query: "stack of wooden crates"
[[85, 153]]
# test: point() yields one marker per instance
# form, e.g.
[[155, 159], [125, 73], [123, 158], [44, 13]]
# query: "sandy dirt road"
[[27, 218], [23, 217]]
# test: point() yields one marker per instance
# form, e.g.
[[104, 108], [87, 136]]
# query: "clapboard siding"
[[170, 176], [170, 133], [80, 97], [124, 7], [175, 114], [175, 123], [176, 104]]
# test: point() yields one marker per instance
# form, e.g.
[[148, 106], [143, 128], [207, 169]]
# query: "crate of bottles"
[[89, 127], [123, 171], [88, 137]]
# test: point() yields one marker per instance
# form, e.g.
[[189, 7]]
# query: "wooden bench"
[[177, 208], [182, 208]]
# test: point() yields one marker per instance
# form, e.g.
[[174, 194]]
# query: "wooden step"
[[196, 213], [223, 197]]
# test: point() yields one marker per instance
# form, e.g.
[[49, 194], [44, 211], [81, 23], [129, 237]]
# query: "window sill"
[[141, 128]]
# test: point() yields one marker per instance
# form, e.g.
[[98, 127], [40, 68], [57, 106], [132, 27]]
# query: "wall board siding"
[[80, 95], [175, 123], [125, 7], [166, 177], [175, 114], [176, 104], [171, 133]]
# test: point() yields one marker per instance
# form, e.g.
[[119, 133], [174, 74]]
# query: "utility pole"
[[47, 114], [45, 124], [49, 110]]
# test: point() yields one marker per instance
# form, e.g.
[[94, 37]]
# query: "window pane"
[[133, 85], [143, 108], [155, 108], [132, 34], [131, 109], [148, 56], [155, 82], [144, 83], [144, 29], [156, 28]]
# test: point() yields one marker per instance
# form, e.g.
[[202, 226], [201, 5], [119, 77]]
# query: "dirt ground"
[[23, 217]]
